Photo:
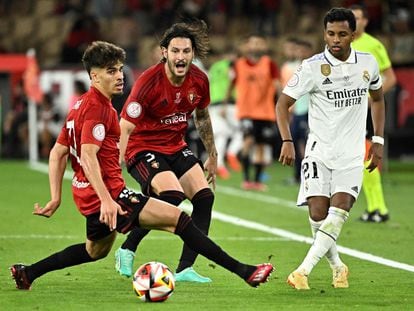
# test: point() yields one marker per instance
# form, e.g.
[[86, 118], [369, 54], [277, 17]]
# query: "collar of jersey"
[[332, 60], [100, 95]]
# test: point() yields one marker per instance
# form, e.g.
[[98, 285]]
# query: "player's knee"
[[206, 196], [97, 253], [173, 197], [182, 223], [100, 249], [318, 215]]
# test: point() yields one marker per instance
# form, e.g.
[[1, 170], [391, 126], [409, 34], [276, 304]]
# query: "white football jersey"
[[338, 105]]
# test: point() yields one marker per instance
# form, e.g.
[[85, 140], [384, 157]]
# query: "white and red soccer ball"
[[153, 282]]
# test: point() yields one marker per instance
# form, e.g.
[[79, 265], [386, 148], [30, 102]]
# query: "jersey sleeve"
[[94, 127], [301, 82], [133, 108], [63, 136], [205, 93], [376, 80]]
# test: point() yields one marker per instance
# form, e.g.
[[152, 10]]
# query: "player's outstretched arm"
[[57, 164]]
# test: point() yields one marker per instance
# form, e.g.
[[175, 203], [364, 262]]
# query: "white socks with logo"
[[325, 234]]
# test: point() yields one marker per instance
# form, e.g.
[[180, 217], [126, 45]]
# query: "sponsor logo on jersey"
[[326, 81], [365, 76], [98, 132], [347, 97], [79, 184], [175, 118], [134, 110], [326, 69]]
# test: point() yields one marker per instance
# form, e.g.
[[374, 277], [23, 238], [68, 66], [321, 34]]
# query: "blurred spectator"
[[70, 8], [84, 31], [49, 125], [226, 130], [193, 9], [142, 11], [79, 88], [102, 8], [15, 128], [265, 17], [129, 36], [256, 81]]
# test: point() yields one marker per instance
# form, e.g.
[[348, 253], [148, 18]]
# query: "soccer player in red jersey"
[[90, 138], [153, 126]]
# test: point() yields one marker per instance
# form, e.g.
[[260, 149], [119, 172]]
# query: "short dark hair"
[[196, 30], [339, 15], [102, 54]]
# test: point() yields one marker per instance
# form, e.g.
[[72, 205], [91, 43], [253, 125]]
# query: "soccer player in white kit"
[[339, 81]]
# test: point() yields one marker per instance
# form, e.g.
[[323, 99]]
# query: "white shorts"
[[319, 180]]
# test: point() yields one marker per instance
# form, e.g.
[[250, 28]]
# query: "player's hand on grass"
[[47, 211]]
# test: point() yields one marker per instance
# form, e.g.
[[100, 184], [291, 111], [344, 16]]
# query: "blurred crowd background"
[[59, 31]]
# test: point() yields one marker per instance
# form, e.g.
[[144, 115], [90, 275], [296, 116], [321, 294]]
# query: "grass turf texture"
[[95, 286]]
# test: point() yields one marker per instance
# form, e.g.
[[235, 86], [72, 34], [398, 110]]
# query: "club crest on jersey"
[[326, 69], [155, 164], [365, 76], [191, 97], [134, 110]]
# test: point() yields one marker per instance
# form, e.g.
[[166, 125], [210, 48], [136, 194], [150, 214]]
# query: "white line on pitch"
[[276, 231]]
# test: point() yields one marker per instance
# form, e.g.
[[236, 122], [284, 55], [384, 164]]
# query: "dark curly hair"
[[340, 15], [102, 54], [196, 30]]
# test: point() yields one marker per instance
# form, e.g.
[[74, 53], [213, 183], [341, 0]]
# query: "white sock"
[[332, 254], [325, 237]]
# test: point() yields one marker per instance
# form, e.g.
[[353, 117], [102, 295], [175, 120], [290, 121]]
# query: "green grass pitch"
[[374, 284]]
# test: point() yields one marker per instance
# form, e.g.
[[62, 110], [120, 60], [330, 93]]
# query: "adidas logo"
[[326, 81], [355, 188]]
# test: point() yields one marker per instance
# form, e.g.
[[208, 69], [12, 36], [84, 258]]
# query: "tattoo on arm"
[[205, 131]]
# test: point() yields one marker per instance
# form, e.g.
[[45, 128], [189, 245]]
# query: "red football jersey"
[[160, 110], [93, 120]]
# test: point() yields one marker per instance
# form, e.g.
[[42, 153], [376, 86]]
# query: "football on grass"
[[153, 282]]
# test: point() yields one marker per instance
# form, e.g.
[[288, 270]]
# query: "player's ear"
[[94, 76], [164, 52]]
